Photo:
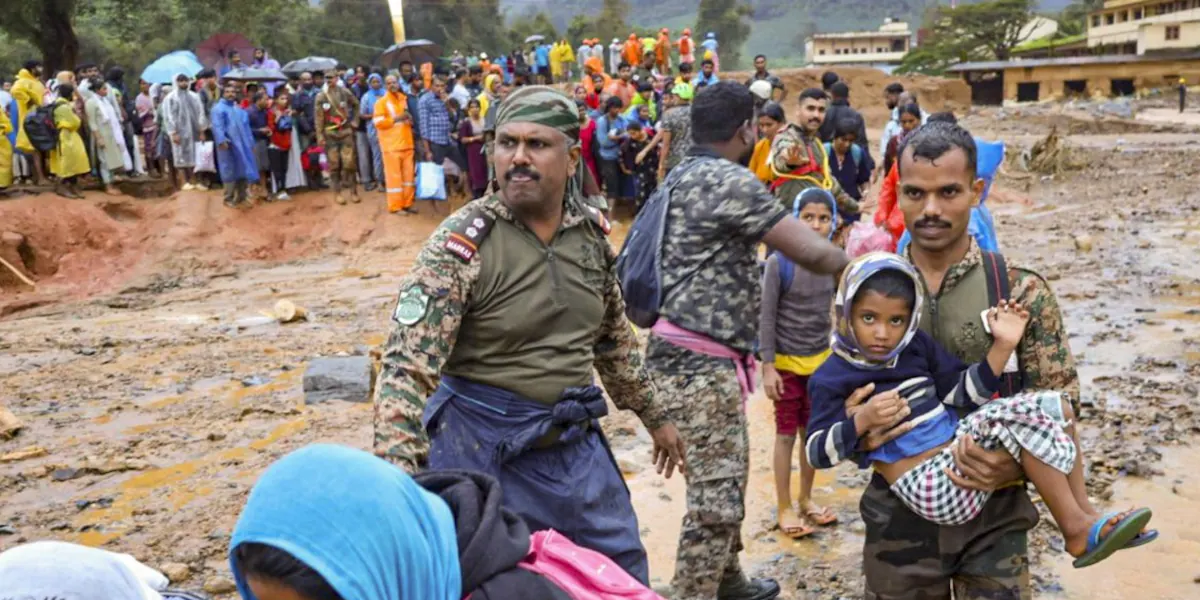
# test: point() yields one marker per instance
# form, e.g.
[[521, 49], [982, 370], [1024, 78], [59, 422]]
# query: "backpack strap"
[[995, 271], [596, 216], [468, 234]]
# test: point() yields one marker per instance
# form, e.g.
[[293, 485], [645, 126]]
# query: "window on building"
[[1123, 16], [1172, 32], [1095, 20], [897, 45], [1109, 18], [1137, 14], [821, 52]]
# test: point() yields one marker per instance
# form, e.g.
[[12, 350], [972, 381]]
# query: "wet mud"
[[149, 409]]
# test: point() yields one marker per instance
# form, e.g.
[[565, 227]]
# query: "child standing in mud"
[[794, 326], [877, 341]]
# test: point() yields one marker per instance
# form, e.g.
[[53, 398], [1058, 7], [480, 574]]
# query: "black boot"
[[744, 588]]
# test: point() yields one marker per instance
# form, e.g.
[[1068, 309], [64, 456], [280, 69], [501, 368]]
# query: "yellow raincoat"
[[28, 92], [484, 99], [69, 158], [6, 161]]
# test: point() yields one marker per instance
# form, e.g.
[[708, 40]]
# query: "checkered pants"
[[1031, 422]]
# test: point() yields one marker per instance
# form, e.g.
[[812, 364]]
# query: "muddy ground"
[[154, 391]]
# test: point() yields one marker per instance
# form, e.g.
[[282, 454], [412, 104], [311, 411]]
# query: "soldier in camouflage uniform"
[[337, 116], [719, 213], [799, 161], [906, 557], [509, 307]]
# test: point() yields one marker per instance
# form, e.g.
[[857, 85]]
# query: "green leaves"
[[728, 19], [969, 32]]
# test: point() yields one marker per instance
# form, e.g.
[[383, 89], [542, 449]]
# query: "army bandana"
[[541, 105]]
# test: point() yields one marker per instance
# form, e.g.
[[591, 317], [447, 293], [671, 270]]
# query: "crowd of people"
[[942, 368]]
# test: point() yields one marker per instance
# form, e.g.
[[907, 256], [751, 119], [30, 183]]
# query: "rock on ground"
[[346, 378]]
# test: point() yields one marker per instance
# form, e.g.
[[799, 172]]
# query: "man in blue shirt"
[[707, 75], [433, 120], [610, 130]]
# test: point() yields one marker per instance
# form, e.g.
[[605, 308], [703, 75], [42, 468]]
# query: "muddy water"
[[1164, 570]]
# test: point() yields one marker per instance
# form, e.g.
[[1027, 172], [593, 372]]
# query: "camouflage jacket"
[[425, 330], [678, 121], [791, 137], [1044, 354], [336, 113], [718, 214]]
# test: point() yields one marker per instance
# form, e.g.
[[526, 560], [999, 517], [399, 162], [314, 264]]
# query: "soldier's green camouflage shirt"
[[791, 137], [529, 317], [719, 212], [1044, 353]]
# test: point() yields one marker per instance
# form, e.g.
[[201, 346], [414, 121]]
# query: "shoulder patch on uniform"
[[597, 217], [466, 236], [411, 306]]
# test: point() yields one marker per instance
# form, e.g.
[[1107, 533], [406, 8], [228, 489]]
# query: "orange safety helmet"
[[687, 31], [665, 30]]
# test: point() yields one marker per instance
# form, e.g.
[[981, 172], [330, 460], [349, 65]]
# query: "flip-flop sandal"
[[797, 533], [1100, 548], [1142, 539], [822, 517]]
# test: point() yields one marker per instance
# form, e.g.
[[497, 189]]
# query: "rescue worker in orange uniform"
[[395, 126], [632, 54]]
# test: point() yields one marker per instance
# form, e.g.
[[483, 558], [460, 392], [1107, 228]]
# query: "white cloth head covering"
[[73, 572]]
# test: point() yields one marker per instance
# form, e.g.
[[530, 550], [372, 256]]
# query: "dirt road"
[[158, 391]]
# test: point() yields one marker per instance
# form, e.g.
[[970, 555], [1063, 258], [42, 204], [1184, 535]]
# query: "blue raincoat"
[[572, 485], [231, 123]]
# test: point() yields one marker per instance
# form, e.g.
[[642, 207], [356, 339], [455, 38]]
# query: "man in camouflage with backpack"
[[336, 118], [700, 352]]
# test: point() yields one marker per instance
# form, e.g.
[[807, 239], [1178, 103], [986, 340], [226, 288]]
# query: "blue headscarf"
[[364, 525], [372, 96]]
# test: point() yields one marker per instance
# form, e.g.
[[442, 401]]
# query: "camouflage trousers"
[[906, 557], [706, 408]]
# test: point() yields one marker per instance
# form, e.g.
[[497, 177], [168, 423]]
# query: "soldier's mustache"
[[524, 171]]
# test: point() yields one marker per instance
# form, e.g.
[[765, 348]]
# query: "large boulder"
[[347, 378]]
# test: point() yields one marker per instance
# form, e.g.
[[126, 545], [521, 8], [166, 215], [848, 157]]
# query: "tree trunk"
[[58, 42]]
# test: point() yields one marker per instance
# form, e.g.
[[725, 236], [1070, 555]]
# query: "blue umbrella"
[[168, 66]]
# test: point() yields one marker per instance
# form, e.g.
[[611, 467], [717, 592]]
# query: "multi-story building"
[[1131, 45], [1145, 26], [883, 48]]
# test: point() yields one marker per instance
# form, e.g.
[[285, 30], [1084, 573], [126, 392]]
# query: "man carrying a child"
[[905, 555]]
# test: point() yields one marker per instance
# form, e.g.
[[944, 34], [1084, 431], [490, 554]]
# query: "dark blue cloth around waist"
[[552, 460]]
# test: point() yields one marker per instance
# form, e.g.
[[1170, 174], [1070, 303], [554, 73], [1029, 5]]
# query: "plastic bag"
[[431, 181], [205, 161], [867, 237]]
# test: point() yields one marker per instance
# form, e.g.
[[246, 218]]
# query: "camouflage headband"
[[541, 105]]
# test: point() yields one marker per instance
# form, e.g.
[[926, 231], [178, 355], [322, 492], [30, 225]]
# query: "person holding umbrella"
[[395, 126]]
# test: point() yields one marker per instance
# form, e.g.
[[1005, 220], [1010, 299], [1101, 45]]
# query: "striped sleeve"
[[832, 436], [959, 385]]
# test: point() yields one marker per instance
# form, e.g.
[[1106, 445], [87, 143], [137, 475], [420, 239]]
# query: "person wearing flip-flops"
[[794, 326], [877, 341]]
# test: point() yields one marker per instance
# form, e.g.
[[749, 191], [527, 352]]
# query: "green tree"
[[1073, 19], [726, 18], [537, 24], [468, 25], [969, 32], [47, 25]]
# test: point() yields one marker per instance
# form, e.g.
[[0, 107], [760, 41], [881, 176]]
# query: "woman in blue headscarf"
[[334, 523]]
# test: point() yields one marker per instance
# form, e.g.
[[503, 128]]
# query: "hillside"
[[778, 27]]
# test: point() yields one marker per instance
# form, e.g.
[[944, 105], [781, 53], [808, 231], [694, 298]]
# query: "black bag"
[[996, 272], [40, 128]]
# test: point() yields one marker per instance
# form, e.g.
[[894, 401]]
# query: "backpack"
[[685, 46], [582, 573], [40, 128], [639, 265], [855, 152], [787, 268]]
